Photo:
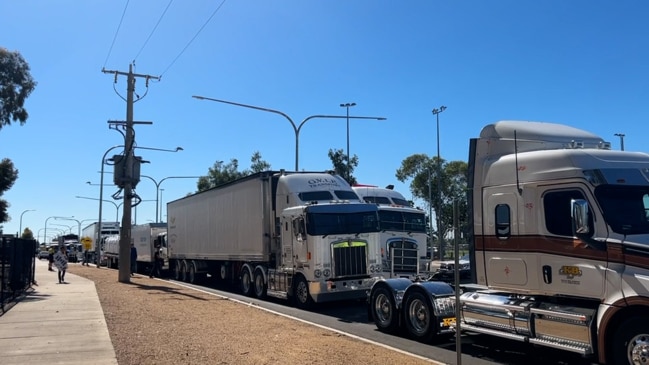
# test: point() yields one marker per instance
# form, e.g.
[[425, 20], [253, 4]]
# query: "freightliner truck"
[[559, 248], [303, 236]]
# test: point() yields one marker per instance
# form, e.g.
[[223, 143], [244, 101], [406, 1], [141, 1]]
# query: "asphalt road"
[[351, 317]]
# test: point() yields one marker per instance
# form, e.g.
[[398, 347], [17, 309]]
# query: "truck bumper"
[[340, 289]]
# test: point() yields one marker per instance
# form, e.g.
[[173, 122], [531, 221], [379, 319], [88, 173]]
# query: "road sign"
[[86, 242]]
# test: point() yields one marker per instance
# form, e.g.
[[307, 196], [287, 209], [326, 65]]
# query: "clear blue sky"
[[580, 62]]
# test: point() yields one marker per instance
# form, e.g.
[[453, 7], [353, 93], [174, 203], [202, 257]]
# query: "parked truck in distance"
[[97, 236], [146, 238], [302, 236], [559, 248], [402, 237]]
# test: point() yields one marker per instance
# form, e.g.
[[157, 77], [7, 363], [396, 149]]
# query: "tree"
[[16, 84], [8, 176], [221, 173], [27, 234], [339, 161], [423, 171]]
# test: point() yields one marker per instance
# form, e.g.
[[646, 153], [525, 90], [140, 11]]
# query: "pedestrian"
[[133, 260], [62, 264], [50, 259], [155, 268], [86, 258]]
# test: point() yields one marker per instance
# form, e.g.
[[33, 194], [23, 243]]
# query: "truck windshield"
[[394, 220], [625, 208], [321, 224]]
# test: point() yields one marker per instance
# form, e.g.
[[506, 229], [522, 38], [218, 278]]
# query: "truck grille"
[[404, 256], [350, 258]]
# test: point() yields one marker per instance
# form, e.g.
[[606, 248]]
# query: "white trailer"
[[403, 232], [147, 238], [96, 237], [303, 236]]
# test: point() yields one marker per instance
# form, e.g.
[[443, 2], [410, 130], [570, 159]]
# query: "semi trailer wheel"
[[246, 282], [418, 317], [384, 311]]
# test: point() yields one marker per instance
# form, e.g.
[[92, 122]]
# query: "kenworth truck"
[[403, 231], [303, 236], [559, 250]]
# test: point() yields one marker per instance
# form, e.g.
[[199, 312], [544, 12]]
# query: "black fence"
[[17, 264]]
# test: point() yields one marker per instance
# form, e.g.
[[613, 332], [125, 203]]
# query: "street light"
[[108, 201], [20, 234], [157, 189], [296, 129], [78, 223], [63, 225], [621, 135], [347, 106], [438, 214], [48, 218]]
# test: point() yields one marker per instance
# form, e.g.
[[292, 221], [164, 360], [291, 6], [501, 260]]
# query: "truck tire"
[[177, 274], [418, 317], [191, 272], [183, 270], [301, 294], [260, 284], [384, 311], [246, 282], [630, 341]]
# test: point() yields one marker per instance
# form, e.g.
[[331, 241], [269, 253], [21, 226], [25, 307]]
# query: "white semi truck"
[[96, 236], [147, 238], [304, 236], [402, 237], [559, 253]]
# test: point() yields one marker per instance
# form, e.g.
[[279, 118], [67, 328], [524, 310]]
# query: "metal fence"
[[17, 264]]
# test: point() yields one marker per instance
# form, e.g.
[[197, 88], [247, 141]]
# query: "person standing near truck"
[[155, 267], [133, 259]]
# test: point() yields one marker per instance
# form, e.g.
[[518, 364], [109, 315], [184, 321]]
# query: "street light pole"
[[157, 189], [296, 129], [48, 218], [347, 106], [20, 233], [438, 214], [621, 135]]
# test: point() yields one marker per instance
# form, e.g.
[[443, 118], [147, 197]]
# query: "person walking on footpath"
[[61, 262], [50, 259], [155, 268], [133, 260]]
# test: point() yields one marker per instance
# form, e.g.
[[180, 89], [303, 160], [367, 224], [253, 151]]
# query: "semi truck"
[[403, 236], [92, 232], [559, 248], [146, 238], [301, 236]]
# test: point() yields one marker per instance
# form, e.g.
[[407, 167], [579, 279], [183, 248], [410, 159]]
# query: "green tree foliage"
[[8, 176], [16, 84], [27, 234], [221, 173], [452, 179], [339, 161]]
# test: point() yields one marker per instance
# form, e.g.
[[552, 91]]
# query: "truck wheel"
[[191, 272], [418, 317], [301, 293], [246, 282], [384, 311], [260, 285], [177, 274], [183, 270], [631, 342]]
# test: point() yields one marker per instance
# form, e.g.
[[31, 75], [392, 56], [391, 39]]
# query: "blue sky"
[[580, 62]]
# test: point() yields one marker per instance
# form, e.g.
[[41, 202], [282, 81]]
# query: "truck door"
[[566, 265]]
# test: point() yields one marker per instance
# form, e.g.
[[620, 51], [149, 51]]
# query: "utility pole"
[[128, 180]]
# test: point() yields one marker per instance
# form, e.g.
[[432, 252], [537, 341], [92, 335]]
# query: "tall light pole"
[[78, 223], [296, 128], [117, 206], [438, 214], [621, 135], [48, 218], [157, 189], [347, 106], [20, 233], [160, 217]]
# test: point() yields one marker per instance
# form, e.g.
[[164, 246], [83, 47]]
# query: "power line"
[[116, 32], [193, 38], [154, 29]]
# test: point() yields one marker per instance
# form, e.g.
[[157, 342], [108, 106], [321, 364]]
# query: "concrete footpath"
[[56, 324]]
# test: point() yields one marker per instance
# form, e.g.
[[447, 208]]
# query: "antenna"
[[518, 183]]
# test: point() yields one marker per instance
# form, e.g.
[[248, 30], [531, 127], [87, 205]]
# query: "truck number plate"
[[447, 322]]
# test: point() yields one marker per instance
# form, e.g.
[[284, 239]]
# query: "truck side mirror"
[[579, 212]]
